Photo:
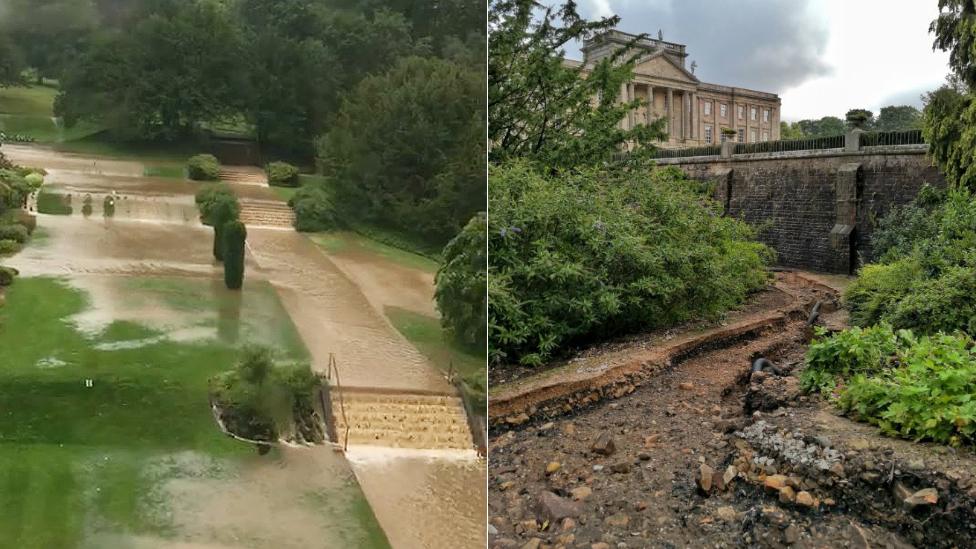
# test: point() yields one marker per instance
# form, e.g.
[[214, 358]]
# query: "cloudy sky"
[[822, 56]]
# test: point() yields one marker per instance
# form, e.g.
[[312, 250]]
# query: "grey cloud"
[[911, 97], [770, 45]]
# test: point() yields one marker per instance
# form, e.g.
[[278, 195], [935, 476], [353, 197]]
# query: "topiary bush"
[[15, 232], [210, 195], [314, 209], [7, 275], [234, 235], [203, 167], [461, 284], [8, 247], [282, 174], [581, 257]]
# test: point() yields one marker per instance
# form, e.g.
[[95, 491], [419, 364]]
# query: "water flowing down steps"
[[401, 420], [243, 175], [267, 213]]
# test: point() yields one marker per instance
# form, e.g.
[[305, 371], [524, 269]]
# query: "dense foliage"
[[407, 148], [582, 256], [7, 275], [233, 236], [541, 108], [314, 209], [282, 174], [890, 118], [926, 280], [262, 400], [203, 167], [910, 386], [209, 196], [461, 283]]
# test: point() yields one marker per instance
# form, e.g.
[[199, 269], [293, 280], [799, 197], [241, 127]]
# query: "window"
[[740, 111], [707, 106], [723, 110], [765, 115], [765, 136], [742, 135], [752, 113], [708, 133], [752, 136]]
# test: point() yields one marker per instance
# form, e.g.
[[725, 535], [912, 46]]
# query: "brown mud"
[[703, 453]]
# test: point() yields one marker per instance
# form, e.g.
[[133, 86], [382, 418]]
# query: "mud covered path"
[[701, 453]]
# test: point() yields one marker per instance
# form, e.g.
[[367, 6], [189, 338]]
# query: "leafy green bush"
[[902, 227], [8, 247], [878, 288], [17, 233], [407, 149], [314, 209], [857, 350], [203, 167], [282, 174], [7, 275], [930, 394], [261, 400], [211, 195], [589, 255], [462, 281], [234, 234]]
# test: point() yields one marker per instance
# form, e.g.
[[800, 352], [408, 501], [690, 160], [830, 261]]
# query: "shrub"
[[54, 203], [34, 179], [203, 167], [902, 227], [211, 195], [314, 209], [585, 256], [17, 233], [234, 235], [930, 394], [852, 351], [7, 275], [282, 174], [462, 282], [8, 247], [108, 206]]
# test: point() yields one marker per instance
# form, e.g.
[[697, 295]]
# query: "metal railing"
[[333, 367], [708, 150], [903, 137], [783, 145]]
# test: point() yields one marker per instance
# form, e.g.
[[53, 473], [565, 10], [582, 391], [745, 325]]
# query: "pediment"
[[660, 65]]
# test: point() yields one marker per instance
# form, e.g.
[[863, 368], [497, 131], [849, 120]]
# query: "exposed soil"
[[801, 475]]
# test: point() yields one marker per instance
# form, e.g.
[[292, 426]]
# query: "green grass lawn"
[[349, 241], [28, 100], [427, 335], [53, 203], [173, 171], [78, 461]]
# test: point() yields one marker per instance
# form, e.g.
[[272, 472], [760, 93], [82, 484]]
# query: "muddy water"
[[333, 316], [444, 484], [427, 501]]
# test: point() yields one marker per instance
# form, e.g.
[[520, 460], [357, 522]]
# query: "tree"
[[11, 62], [790, 131], [461, 283], [895, 118], [234, 234], [947, 125], [175, 69], [407, 149], [825, 127], [955, 32], [861, 119], [543, 109], [49, 32]]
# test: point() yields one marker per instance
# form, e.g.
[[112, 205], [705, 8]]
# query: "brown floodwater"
[[423, 500]]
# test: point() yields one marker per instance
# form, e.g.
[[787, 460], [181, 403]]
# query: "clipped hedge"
[[7, 275], [234, 234], [8, 247], [314, 209], [15, 232], [282, 174], [203, 167], [210, 195]]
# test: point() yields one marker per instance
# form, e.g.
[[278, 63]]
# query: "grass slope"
[[79, 461]]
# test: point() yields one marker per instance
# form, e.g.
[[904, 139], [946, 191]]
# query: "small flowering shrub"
[[581, 257]]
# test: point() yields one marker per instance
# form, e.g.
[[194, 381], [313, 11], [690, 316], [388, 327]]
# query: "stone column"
[[650, 104], [685, 115], [670, 113], [623, 99], [694, 115], [631, 114]]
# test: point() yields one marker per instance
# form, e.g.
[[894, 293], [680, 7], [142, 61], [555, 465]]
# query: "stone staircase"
[[267, 213], [401, 420], [244, 175]]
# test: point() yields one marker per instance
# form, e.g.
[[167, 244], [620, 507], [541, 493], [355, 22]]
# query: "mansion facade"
[[695, 112]]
